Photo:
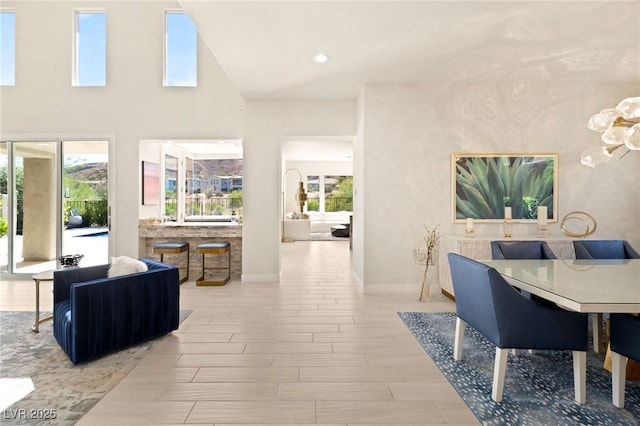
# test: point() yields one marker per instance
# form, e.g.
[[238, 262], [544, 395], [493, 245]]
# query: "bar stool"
[[216, 248], [171, 247]]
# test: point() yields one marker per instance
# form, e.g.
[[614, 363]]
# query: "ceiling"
[[266, 47]]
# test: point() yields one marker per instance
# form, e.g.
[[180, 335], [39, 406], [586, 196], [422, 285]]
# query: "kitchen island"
[[151, 232]]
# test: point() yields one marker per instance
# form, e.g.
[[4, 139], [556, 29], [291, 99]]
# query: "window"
[[171, 187], [90, 49], [313, 193], [338, 193], [7, 48], [214, 188], [180, 51]]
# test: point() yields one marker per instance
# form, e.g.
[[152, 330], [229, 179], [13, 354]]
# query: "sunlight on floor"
[[13, 390]]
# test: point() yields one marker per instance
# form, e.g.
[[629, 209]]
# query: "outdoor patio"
[[92, 242]]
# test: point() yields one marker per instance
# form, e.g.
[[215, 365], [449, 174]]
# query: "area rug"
[[326, 236], [63, 392], [538, 387]]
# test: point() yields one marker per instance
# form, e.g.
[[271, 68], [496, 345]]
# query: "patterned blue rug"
[[538, 388]]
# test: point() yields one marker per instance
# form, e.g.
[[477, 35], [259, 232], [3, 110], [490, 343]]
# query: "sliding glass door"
[[54, 202], [85, 207], [4, 207], [34, 206]]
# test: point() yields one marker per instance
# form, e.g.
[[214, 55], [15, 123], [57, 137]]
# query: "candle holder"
[[508, 228], [542, 230], [470, 232], [542, 221]]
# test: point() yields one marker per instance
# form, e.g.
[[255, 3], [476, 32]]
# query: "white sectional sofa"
[[321, 222]]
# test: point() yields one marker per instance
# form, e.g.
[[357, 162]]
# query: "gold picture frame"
[[483, 184]]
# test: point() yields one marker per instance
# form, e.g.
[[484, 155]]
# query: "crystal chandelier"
[[620, 128]]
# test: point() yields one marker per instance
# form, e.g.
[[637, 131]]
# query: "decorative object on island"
[[483, 184], [620, 128], [584, 219], [301, 199], [425, 256]]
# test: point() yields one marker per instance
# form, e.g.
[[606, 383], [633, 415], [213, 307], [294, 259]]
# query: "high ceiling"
[[266, 47]]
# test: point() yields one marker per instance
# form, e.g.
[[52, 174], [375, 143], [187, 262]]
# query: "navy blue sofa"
[[94, 315]]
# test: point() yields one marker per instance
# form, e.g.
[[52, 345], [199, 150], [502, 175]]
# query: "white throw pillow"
[[123, 265]]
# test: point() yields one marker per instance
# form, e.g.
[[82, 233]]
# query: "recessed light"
[[321, 58]]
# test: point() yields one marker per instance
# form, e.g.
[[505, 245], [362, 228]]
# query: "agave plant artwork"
[[486, 184]]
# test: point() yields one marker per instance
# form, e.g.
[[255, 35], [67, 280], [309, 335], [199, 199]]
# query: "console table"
[[479, 248]]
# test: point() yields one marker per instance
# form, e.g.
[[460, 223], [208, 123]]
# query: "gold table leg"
[[44, 276]]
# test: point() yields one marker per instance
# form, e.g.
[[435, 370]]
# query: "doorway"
[[324, 166], [54, 202]]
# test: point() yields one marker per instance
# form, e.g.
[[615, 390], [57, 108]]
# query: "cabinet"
[[479, 248]]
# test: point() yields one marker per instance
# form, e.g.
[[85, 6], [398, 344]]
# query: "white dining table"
[[590, 286]]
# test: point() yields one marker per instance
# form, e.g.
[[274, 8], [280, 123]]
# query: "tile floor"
[[311, 349]]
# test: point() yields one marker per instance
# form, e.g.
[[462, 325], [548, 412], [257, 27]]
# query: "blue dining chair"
[[625, 343], [521, 250], [486, 302], [604, 249]]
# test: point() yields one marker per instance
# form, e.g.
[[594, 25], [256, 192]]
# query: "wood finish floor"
[[311, 349]]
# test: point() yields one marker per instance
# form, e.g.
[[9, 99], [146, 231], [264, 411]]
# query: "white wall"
[[405, 134], [410, 131], [358, 235], [133, 106], [267, 124]]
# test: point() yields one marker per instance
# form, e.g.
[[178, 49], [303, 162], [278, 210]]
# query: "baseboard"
[[400, 288], [260, 278]]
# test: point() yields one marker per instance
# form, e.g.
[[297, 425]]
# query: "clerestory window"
[[7, 48], [90, 49], [180, 50]]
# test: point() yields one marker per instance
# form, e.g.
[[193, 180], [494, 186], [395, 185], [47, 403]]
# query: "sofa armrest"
[[154, 264], [63, 278]]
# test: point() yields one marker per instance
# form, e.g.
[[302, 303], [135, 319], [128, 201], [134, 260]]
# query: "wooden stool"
[[217, 249], [173, 248]]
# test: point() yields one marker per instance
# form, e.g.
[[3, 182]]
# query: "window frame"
[[75, 62], [165, 48], [10, 10]]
